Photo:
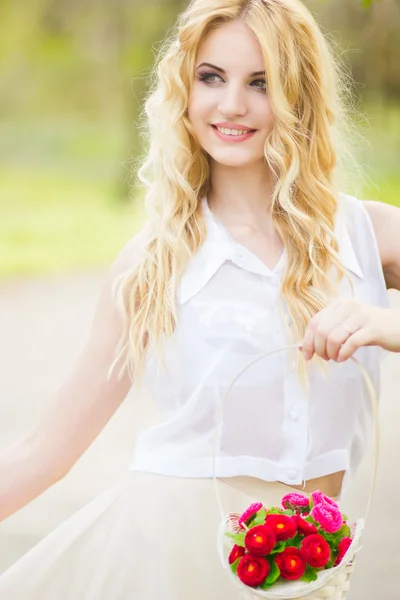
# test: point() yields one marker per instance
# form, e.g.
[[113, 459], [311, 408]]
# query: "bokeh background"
[[72, 79]]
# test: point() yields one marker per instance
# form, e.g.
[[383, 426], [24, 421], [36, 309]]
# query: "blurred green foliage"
[[73, 77]]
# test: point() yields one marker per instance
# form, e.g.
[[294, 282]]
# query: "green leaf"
[[345, 517], [273, 575], [310, 574], [296, 540], [238, 538], [366, 3], [275, 511], [234, 565], [259, 517], [288, 512], [344, 531], [330, 563], [331, 538], [279, 547], [304, 510]]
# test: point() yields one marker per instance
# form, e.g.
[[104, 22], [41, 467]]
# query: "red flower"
[[236, 552], [260, 540], [344, 545], [315, 550], [284, 527], [304, 527], [291, 563], [252, 570]]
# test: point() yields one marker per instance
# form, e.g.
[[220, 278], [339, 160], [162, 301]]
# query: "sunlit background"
[[72, 80], [73, 76]]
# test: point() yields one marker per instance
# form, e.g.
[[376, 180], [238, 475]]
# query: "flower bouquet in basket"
[[293, 549]]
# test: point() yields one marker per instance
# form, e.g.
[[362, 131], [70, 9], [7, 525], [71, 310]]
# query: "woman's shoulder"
[[353, 214], [349, 204]]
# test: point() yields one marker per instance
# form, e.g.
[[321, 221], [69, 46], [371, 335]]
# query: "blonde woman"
[[251, 244]]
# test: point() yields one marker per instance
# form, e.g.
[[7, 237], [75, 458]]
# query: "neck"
[[245, 192]]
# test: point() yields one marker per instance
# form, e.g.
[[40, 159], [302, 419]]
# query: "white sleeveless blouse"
[[229, 312]]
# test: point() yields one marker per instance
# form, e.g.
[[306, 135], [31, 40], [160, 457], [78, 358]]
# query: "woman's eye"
[[261, 81], [207, 78]]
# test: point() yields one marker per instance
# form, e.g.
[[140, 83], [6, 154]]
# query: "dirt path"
[[43, 326]]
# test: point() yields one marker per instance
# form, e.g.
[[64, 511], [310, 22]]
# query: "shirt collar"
[[219, 247]]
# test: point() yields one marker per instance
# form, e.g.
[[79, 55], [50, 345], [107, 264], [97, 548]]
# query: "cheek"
[[198, 105], [264, 114]]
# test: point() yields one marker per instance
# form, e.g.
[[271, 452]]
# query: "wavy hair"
[[309, 150]]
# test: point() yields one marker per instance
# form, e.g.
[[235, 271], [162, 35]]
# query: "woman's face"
[[232, 95]]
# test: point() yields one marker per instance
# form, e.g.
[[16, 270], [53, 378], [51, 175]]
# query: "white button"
[[292, 474], [294, 415]]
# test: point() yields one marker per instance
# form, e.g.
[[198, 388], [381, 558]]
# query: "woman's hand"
[[342, 327]]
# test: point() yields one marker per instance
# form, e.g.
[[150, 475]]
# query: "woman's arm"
[[340, 329], [83, 406], [386, 222]]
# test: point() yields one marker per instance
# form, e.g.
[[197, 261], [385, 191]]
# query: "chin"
[[230, 160]]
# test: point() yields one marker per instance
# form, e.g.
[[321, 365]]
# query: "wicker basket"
[[332, 584]]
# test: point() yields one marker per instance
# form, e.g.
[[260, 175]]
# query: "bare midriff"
[[330, 485]]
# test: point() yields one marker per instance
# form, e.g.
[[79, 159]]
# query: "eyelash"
[[204, 77]]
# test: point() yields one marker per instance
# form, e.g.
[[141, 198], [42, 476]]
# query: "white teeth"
[[233, 131]]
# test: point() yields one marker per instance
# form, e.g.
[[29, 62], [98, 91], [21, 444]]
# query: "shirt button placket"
[[295, 428]]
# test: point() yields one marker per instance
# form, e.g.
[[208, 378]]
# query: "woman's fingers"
[[330, 329], [339, 336], [362, 337], [321, 334], [344, 326], [320, 327]]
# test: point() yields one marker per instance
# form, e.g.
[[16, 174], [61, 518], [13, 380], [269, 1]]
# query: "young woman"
[[250, 246]]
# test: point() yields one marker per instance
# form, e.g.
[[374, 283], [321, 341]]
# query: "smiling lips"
[[233, 133], [235, 128]]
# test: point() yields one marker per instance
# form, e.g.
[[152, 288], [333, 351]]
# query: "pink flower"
[[320, 498], [344, 545], [328, 517], [249, 512], [295, 500]]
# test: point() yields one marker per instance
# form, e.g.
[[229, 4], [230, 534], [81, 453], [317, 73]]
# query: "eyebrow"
[[205, 64]]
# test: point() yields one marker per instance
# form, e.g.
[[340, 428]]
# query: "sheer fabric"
[[229, 312]]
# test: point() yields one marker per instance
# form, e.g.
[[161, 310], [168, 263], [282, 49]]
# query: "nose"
[[232, 102]]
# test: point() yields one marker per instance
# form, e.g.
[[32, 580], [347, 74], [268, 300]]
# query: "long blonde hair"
[[310, 148]]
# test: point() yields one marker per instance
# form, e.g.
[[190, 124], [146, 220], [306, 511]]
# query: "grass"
[[60, 197], [61, 190], [383, 132], [71, 225]]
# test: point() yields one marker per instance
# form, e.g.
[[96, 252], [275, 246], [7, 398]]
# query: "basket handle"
[[374, 405]]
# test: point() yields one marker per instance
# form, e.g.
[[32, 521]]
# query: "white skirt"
[[147, 537]]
